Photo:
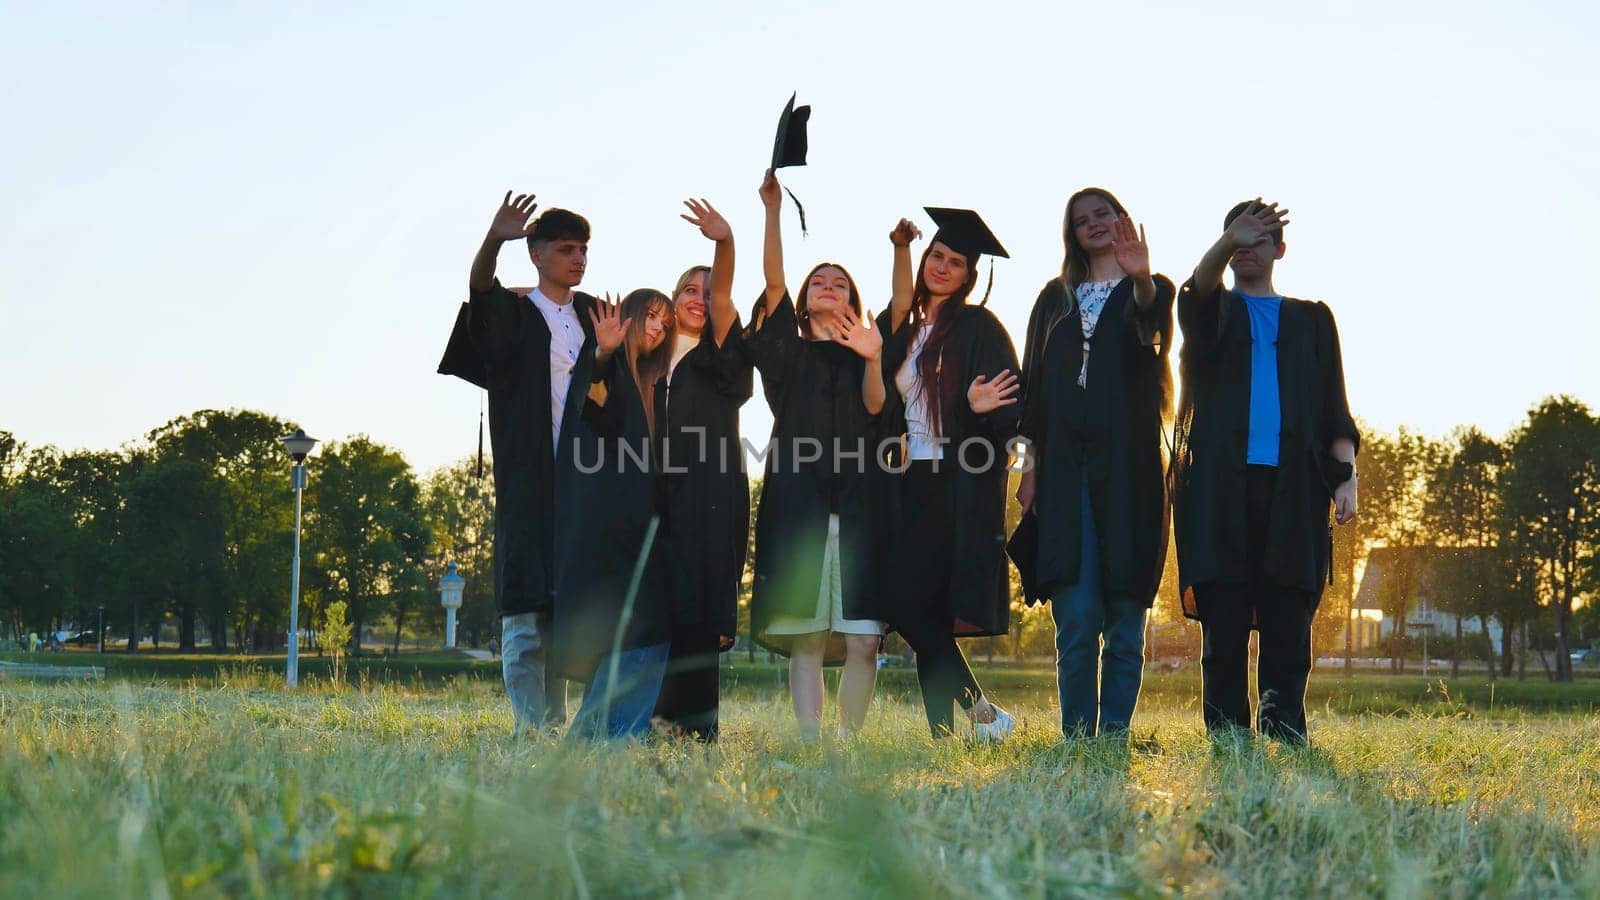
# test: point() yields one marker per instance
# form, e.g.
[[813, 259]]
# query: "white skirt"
[[830, 599]]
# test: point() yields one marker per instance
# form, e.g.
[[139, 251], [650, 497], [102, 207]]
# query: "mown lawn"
[[232, 786]]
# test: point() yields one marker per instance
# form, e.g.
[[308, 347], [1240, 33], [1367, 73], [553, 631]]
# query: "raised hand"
[[771, 192], [1130, 249], [904, 233], [985, 396], [514, 219], [705, 217], [1257, 221], [851, 331], [609, 326]]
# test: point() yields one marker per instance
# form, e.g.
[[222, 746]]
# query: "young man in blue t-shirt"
[[1265, 443]]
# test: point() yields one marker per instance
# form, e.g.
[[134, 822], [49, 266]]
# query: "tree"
[[459, 507], [365, 531], [1552, 505], [1394, 470], [1461, 511], [176, 555], [243, 449], [335, 628]]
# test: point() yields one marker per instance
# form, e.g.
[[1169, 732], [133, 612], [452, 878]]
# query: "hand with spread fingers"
[[705, 217], [609, 326], [1129, 247], [857, 333], [986, 396], [1256, 222], [904, 233], [514, 219]]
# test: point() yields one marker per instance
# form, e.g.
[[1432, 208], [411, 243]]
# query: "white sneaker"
[[996, 731]]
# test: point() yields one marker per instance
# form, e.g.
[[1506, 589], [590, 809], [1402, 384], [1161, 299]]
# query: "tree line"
[[193, 525]]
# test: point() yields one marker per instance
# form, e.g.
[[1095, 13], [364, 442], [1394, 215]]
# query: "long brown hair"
[[1075, 263], [647, 369], [940, 390], [802, 306]]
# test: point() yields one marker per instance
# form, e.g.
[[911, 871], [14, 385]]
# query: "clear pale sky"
[[226, 205]]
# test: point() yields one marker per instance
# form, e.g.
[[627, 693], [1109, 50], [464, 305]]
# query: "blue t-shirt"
[[1266, 416]]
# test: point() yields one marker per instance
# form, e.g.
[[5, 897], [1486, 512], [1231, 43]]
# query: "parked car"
[[1585, 657]]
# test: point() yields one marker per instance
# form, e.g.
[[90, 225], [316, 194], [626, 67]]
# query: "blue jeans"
[[537, 702], [622, 709], [1099, 647]]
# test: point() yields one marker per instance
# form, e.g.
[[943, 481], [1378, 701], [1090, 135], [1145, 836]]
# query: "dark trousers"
[[920, 565], [942, 671], [691, 691], [1282, 616]]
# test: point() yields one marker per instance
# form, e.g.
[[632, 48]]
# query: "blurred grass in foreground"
[[236, 787]]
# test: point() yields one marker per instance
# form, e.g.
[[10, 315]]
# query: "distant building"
[[1415, 572]]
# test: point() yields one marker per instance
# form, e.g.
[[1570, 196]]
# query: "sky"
[[275, 206]]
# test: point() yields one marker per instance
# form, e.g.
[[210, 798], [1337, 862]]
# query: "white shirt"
[[566, 342], [920, 435], [681, 345]]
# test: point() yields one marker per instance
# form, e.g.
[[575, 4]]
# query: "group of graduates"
[[622, 499]]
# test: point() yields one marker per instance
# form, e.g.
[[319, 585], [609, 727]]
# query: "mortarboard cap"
[[964, 231], [789, 147]]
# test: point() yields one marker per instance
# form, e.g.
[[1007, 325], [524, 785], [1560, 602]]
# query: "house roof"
[[1414, 570]]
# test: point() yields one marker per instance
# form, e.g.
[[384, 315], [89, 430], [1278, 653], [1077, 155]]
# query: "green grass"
[[233, 786]]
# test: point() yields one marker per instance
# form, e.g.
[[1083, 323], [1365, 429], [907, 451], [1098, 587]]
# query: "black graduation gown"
[[1109, 432], [1213, 427], [501, 342], [612, 500], [979, 598], [706, 492], [814, 390]]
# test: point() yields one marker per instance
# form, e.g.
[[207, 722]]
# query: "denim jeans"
[[622, 709], [1099, 647], [537, 702]]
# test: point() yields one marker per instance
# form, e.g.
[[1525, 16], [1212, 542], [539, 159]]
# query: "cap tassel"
[[798, 207], [989, 287], [480, 437]]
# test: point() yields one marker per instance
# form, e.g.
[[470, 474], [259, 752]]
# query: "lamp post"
[[450, 587], [298, 445], [100, 635]]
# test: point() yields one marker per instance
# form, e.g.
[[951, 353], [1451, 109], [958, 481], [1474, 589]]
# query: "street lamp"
[[450, 587], [298, 445]]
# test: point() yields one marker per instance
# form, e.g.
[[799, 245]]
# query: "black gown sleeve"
[[1153, 327], [1337, 422], [994, 354], [1200, 319], [728, 367], [494, 323], [1032, 353], [771, 343], [606, 416]]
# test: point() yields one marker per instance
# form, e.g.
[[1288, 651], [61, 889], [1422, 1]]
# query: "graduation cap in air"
[[789, 147], [965, 232]]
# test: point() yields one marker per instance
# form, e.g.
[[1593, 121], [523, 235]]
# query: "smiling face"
[[944, 271], [561, 261], [1091, 219], [690, 300], [827, 290]]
